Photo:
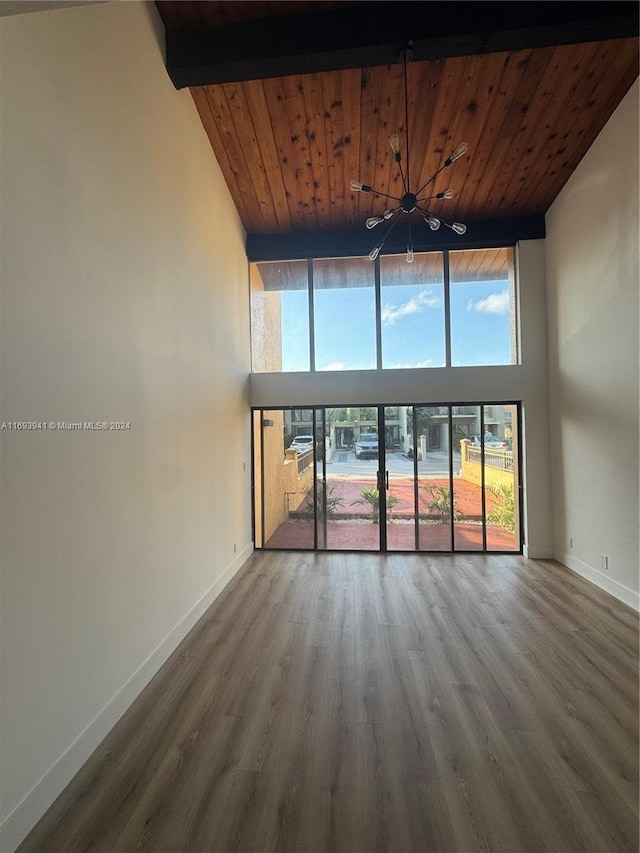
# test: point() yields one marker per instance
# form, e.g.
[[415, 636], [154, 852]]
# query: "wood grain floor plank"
[[371, 703]]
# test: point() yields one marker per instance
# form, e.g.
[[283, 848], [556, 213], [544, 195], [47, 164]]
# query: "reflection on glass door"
[[393, 478]]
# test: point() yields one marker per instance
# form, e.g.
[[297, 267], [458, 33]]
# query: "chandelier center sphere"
[[408, 202]]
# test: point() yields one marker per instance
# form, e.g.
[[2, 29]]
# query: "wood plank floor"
[[348, 703]]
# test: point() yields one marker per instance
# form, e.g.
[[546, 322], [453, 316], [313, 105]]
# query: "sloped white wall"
[[124, 298], [593, 280]]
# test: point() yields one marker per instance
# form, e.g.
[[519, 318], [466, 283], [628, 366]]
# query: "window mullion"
[[447, 312], [378, 313], [312, 330]]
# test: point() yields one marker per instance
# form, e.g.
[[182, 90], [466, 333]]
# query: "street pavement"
[[345, 463]]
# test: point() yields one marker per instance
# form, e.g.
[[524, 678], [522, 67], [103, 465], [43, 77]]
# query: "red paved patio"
[[354, 529]]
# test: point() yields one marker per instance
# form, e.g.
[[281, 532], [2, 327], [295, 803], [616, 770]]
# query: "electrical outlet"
[[604, 562]]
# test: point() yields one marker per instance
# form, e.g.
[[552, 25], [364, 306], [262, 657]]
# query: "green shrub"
[[371, 498], [503, 512], [440, 503], [333, 503]]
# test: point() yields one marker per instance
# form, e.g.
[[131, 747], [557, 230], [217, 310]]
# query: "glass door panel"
[[500, 478], [258, 503], [398, 477], [323, 500], [353, 498], [434, 482], [288, 472], [468, 525]]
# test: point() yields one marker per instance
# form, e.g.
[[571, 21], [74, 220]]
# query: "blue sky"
[[412, 326]]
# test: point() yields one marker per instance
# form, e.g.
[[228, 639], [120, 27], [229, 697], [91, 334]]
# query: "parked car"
[[302, 443], [490, 442], [367, 445]]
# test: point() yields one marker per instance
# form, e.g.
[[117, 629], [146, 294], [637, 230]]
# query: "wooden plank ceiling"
[[289, 146]]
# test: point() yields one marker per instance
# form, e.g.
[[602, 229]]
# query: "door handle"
[[379, 480]]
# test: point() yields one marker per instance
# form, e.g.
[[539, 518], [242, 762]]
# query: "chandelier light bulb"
[[445, 194], [432, 222], [459, 228], [394, 142], [373, 221], [410, 255], [388, 214], [460, 150], [373, 254], [360, 188]]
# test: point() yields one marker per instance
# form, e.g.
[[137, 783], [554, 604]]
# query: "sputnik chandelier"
[[410, 201]]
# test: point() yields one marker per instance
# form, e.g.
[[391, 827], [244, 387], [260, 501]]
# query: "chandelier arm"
[[388, 231], [446, 222], [436, 196], [405, 183], [432, 178], [386, 195]]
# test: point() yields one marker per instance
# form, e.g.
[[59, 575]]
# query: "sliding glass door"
[[392, 478]]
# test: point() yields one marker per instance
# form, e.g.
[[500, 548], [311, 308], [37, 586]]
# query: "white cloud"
[[334, 365], [495, 303], [415, 305], [426, 363]]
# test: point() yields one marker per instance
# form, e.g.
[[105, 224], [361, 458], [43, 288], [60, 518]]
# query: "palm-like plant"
[[440, 503], [371, 498], [503, 511], [328, 508]]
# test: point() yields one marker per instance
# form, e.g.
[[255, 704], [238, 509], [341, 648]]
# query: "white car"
[[490, 442], [302, 443], [367, 445]]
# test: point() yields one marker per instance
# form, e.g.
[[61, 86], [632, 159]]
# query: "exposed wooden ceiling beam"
[[371, 34], [358, 242]]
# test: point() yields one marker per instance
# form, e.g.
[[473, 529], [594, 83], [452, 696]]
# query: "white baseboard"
[[608, 584], [535, 552], [28, 812]]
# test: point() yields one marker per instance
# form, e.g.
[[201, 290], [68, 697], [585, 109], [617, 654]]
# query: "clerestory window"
[[447, 309]]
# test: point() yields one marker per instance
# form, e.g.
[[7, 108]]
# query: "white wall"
[[526, 382], [124, 297], [592, 279]]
